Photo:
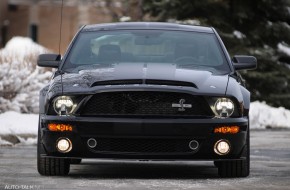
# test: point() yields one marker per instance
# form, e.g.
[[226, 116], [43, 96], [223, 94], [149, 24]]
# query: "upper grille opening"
[[147, 104]]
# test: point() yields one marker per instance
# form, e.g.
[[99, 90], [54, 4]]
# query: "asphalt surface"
[[270, 169]]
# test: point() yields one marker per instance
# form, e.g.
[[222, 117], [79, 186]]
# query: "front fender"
[[242, 94], [42, 98]]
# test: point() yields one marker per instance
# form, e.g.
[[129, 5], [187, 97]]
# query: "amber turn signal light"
[[59, 127], [227, 129]]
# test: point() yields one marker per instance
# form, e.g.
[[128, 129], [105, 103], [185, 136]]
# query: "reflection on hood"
[[127, 71]]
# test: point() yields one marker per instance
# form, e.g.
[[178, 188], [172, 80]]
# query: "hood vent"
[[117, 82], [147, 81], [170, 83]]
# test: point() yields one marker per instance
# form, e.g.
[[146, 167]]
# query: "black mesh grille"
[[146, 103], [142, 145]]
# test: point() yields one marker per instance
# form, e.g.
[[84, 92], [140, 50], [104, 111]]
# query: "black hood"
[[204, 81]]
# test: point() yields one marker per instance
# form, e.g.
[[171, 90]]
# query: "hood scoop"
[[145, 81], [117, 82], [169, 83]]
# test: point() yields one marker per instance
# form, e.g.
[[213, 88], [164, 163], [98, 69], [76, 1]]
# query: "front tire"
[[50, 166], [240, 168]]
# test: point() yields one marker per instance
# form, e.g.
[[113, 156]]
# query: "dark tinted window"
[[188, 50]]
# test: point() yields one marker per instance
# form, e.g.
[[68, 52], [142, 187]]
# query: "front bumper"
[[132, 134]]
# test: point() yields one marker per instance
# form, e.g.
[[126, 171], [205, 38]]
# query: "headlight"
[[63, 105], [224, 107]]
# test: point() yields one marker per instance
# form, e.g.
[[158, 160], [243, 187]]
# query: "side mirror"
[[49, 60], [244, 62]]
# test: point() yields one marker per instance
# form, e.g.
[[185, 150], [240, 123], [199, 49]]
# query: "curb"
[[13, 139]]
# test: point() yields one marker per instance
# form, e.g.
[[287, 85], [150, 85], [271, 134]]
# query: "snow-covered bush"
[[20, 78], [264, 116]]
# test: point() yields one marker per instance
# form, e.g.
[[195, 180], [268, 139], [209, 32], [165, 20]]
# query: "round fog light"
[[63, 145], [222, 147]]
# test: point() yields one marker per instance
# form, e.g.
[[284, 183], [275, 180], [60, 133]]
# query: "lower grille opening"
[[125, 145]]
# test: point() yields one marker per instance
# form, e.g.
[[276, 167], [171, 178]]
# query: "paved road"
[[270, 169]]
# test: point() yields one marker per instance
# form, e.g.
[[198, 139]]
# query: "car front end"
[[145, 92], [142, 122]]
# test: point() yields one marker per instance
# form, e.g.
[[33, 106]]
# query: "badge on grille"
[[181, 105]]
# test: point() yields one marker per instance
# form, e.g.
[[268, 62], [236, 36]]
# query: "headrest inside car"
[[109, 52]]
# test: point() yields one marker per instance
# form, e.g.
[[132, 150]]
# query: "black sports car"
[[145, 91]]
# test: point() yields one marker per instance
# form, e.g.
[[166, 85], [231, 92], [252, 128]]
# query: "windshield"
[[185, 50]]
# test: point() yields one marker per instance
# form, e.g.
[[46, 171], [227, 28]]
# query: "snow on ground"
[[22, 141], [4, 143], [17, 123], [27, 141], [18, 127], [262, 116]]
